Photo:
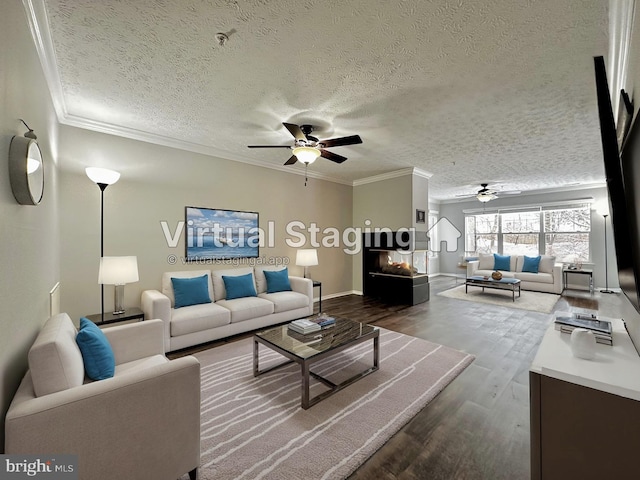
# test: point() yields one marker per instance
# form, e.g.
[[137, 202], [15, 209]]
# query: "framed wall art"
[[216, 234]]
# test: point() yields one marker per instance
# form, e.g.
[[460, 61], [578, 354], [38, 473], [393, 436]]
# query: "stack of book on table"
[[304, 326], [324, 321], [600, 326]]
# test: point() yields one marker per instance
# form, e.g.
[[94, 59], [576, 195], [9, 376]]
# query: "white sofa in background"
[[548, 279], [195, 324], [126, 426]]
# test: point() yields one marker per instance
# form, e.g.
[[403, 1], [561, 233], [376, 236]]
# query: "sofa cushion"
[[167, 285], [261, 280], [485, 261], [97, 354], [546, 264], [239, 286], [285, 301], [247, 308], [278, 281], [531, 264], [197, 318], [55, 360], [219, 290], [535, 277], [502, 262], [191, 291]]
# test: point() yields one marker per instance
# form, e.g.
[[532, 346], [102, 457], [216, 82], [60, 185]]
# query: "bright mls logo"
[[55, 467]]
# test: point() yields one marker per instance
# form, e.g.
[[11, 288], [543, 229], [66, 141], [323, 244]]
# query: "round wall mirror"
[[26, 170]]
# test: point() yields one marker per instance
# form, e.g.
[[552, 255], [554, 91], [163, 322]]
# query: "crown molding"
[[395, 174], [621, 19], [156, 139], [39, 27]]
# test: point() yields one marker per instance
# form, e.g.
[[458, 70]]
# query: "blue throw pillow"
[[501, 262], [239, 286], [97, 354], [277, 281], [190, 291], [531, 264]]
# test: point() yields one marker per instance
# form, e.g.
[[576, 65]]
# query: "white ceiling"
[[470, 91]]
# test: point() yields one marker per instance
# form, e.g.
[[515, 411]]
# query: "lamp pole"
[[606, 259], [102, 177], [102, 187]]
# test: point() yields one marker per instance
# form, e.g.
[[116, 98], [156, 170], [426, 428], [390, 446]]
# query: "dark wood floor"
[[478, 427]]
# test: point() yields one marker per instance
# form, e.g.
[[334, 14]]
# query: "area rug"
[[254, 428], [534, 301]]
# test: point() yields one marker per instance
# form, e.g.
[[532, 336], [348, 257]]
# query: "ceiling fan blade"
[[342, 141], [295, 131], [269, 146], [291, 160], [334, 157]]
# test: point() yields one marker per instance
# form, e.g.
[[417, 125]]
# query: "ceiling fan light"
[[485, 197], [306, 155]]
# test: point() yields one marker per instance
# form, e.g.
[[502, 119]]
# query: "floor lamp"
[[103, 177], [606, 261]]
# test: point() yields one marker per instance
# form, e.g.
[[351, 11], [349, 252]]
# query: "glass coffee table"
[[305, 350]]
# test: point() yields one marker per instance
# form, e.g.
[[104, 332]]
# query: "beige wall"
[[29, 234], [135, 207], [385, 203], [420, 200]]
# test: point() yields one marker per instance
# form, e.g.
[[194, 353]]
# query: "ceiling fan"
[[486, 194], [307, 148]]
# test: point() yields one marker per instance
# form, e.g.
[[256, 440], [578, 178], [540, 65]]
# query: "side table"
[[318, 284], [133, 313], [582, 271]]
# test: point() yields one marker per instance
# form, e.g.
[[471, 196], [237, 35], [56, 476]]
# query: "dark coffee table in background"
[[512, 284]]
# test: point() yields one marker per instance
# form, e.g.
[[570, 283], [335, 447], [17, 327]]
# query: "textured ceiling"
[[470, 91]]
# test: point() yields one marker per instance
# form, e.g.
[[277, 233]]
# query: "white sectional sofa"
[[221, 317], [547, 279]]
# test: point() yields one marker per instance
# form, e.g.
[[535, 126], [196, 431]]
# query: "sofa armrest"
[[302, 285], [136, 340], [472, 266], [157, 305], [557, 278], [145, 424]]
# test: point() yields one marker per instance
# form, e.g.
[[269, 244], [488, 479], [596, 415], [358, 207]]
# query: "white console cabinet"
[[585, 414]]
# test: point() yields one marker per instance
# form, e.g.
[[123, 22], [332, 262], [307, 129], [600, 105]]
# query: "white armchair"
[[142, 423]]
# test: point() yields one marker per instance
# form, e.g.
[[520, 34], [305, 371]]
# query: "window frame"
[[542, 232]]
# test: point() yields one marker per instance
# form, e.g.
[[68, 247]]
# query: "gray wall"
[[29, 236], [454, 213]]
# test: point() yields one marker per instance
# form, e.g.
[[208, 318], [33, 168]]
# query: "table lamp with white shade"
[[307, 257], [118, 271]]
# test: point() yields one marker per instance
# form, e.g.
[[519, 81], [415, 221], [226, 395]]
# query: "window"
[[481, 233], [567, 233], [563, 232], [521, 233]]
